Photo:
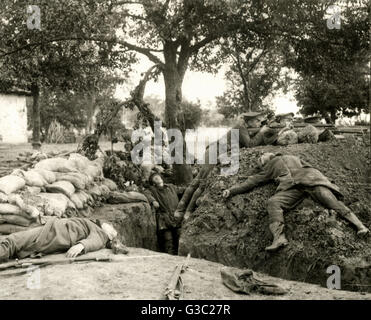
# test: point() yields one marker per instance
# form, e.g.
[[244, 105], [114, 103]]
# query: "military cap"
[[252, 115], [312, 119], [285, 115]]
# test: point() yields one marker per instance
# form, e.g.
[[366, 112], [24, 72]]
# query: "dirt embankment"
[[135, 223], [235, 232], [144, 274]]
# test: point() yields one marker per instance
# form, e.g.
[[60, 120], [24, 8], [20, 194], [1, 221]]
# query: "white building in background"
[[13, 117]]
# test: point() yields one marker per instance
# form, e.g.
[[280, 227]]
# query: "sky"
[[199, 86]]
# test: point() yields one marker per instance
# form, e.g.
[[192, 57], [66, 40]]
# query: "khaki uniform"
[[57, 235], [167, 225], [296, 179]]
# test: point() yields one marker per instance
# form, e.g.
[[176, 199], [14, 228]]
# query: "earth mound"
[[235, 232], [134, 222]]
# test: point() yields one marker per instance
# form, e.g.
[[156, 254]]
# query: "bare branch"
[[145, 51], [204, 42], [138, 94], [120, 3]]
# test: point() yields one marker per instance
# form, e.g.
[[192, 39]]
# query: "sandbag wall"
[[62, 187]]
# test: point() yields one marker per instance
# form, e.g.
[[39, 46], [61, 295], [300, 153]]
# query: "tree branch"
[[138, 95], [145, 51], [204, 42], [120, 3]]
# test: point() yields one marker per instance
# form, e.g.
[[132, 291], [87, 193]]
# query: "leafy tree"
[[29, 61], [255, 65], [253, 75], [173, 34], [190, 115], [336, 81]]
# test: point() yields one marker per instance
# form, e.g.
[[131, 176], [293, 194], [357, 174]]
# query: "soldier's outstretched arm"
[[251, 183]]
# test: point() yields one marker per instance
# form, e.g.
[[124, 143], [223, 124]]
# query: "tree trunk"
[[36, 143], [90, 112], [173, 77], [245, 83]]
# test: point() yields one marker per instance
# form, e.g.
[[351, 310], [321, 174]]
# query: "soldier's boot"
[[279, 238], [168, 243], [351, 217]]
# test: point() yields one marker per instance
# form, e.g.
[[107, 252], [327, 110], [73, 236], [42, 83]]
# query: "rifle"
[[297, 125], [171, 292], [25, 263]]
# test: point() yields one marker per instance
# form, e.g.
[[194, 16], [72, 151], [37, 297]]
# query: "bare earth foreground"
[[144, 274]]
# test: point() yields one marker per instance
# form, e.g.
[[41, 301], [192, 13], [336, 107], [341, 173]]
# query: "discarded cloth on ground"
[[244, 281]]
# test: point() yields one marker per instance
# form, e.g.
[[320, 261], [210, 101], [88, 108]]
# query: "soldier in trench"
[[164, 199], [296, 179]]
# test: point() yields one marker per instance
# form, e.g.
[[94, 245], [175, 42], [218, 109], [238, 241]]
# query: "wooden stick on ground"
[[174, 290]]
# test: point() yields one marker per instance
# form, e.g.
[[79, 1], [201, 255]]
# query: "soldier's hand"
[[74, 251], [226, 193], [178, 214], [264, 128], [155, 204], [187, 215]]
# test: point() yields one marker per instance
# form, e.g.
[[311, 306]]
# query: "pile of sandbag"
[[61, 187], [308, 134]]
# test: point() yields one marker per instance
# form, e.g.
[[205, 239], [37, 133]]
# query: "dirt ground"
[[144, 274], [9, 152]]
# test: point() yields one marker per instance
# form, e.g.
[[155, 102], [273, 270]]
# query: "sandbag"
[[79, 161], [11, 183], [110, 184], [95, 191], [326, 135], [7, 208], [93, 171], [84, 165], [55, 204], [31, 210], [57, 165], [87, 197], [3, 198], [287, 137], [70, 204], [62, 186], [11, 209], [14, 219], [38, 156], [82, 177], [32, 190], [49, 176], [75, 198], [126, 197], [77, 182], [104, 190], [308, 134], [32, 178]]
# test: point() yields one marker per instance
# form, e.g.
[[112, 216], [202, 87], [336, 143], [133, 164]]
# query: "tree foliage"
[[333, 64], [255, 73], [35, 60]]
